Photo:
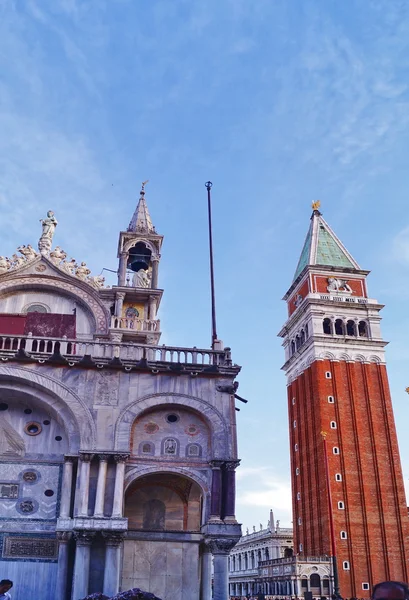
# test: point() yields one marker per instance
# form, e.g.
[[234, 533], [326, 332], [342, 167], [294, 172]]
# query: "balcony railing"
[[135, 324], [102, 352]]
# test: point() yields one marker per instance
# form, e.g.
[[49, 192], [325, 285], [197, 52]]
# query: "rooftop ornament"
[[48, 224]]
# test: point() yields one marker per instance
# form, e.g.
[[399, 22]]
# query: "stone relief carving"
[[338, 285], [27, 506], [11, 442], [8, 491], [170, 446], [106, 393], [21, 547]]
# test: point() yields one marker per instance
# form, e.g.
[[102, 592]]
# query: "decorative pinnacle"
[[208, 185], [316, 205], [143, 186]]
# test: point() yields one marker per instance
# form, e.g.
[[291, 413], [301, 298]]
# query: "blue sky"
[[279, 103]]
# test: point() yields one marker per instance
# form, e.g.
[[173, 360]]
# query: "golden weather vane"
[[144, 183], [315, 205]]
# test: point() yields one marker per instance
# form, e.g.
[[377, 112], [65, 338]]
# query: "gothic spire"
[[141, 221]]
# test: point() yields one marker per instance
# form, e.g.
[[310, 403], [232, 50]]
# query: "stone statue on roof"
[[48, 224]]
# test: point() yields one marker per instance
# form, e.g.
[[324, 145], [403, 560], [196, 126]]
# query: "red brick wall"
[[375, 516], [303, 290]]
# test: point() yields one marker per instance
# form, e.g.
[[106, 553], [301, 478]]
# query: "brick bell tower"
[[338, 386]]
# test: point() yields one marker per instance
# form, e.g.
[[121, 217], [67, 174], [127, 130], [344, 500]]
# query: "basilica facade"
[[117, 454]]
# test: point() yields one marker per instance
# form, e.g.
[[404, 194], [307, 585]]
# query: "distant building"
[[348, 493], [262, 563]]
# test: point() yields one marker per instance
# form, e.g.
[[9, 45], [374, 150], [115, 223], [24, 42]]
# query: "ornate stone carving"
[[82, 271], [216, 464], [28, 252], [64, 536], [4, 264], [29, 476], [221, 545], [86, 457], [97, 281], [231, 465], [27, 506], [84, 538], [57, 255], [48, 224], [8, 491], [107, 389], [113, 538], [338, 285], [229, 388], [22, 547], [121, 457]]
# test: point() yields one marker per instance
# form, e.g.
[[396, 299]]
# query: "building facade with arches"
[[117, 455]]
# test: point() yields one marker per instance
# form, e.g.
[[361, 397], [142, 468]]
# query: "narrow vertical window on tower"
[[345, 565], [331, 399], [341, 505], [335, 450], [327, 326], [363, 329], [328, 374], [339, 327], [351, 327], [338, 477], [293, 401], [333, 425], [298, 496], [343, 535]]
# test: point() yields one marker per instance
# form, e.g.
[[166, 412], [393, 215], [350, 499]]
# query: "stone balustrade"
[[102, 352], [135, 324]]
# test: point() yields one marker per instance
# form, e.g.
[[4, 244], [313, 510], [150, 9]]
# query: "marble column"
[[113, 541], [216, 494], [220, 549], [119, 302], [152, 308], [85, 462], [65, 506], [82, 561], [206, 575], [101, 484], [155, 270], [63, 538], [122, 269], [229, 489], [117, 509]]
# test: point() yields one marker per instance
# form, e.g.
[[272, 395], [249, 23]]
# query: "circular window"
[[58, 438], [46, 422], [32, 428], [28, 411], [3, 406], [49, 493], [172, 418]]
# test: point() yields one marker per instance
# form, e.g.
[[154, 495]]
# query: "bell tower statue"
[[348, 494]]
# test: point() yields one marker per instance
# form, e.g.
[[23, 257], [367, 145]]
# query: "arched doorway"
[[161, 552]]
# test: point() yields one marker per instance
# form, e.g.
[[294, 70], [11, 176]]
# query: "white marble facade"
[[117, 456]]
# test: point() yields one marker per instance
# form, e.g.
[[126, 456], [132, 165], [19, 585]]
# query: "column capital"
[[70, 458], [155, 257], [84, 538], [120, 295], [64, 536], [121, 458], [216, 464], [85, 457], [221, 545], [103, 457], [113, 538], [231, 465]]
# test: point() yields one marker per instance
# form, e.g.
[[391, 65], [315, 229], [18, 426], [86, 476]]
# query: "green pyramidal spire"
[[322, 247]]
